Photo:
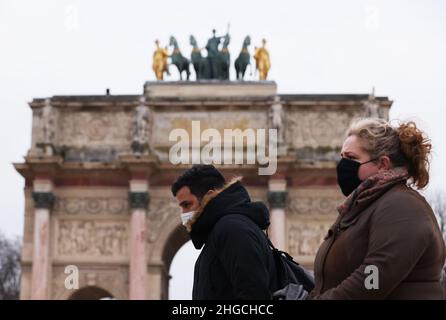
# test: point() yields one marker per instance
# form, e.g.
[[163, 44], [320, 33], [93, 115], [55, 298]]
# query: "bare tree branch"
[[437, 200], [10, 252]]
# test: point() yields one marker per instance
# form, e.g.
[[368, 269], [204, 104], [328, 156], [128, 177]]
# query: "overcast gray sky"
[[82, 47]]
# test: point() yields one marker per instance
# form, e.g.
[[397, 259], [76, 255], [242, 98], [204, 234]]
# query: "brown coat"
[[398, 234]]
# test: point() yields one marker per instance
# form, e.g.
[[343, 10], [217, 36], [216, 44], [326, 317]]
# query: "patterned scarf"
[[371, 189]]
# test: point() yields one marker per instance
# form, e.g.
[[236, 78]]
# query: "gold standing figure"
[[160, 64], [263, 63]]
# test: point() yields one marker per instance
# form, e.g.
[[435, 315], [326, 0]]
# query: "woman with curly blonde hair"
[[385, 243]]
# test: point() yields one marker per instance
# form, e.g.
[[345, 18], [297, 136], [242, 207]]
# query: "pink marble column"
[[40, 272], [139, 201], [277, 200]]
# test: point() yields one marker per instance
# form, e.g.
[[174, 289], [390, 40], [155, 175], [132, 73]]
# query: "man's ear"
[[384, 163]]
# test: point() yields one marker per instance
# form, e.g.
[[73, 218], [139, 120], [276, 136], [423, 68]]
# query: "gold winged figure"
[[263, 63], [160, 64]]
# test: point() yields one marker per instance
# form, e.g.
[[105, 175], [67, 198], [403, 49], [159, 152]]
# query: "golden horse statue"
[[160, 64], [263, 63]]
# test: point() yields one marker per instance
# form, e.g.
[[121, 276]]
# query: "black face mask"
[[347, 171]]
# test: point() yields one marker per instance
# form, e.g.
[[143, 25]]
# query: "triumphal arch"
[[98, 174]]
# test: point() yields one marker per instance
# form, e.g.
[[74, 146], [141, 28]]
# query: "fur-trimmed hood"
[[231, 199], [205, 200]]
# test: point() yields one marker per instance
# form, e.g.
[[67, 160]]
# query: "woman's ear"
[[384, 163]]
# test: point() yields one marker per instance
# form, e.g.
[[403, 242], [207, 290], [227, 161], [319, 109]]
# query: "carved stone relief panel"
[[91, 206], [95, 129], [318, 128], [91, 238], [314, 201], [238, 119], [305, 237]]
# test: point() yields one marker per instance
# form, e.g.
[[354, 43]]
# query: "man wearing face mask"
[[386, 243], [236, 261]]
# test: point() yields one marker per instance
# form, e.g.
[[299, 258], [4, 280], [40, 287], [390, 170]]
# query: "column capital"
[[139, 200], [43, 200], [277, 199], [139, 167]]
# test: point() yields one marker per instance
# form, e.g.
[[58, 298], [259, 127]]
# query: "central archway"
[[181, 272], [175, 241], [172, 237]]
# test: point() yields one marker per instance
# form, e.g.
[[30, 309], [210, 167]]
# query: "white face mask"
[[185, 217]]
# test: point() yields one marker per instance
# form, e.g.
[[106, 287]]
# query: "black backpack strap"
[[286, 254], [269, 241]]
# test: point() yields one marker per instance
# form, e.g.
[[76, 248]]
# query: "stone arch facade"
[[97, 180]]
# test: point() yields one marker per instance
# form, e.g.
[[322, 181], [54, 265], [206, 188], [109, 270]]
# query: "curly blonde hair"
[[405, 145]]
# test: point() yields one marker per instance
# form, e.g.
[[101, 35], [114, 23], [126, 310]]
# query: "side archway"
[[90, 293]]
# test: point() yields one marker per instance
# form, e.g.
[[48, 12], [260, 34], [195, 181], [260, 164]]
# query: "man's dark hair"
[[200, 179]]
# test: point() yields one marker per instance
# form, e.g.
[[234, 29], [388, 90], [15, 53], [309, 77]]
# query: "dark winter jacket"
[[236, 261]]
